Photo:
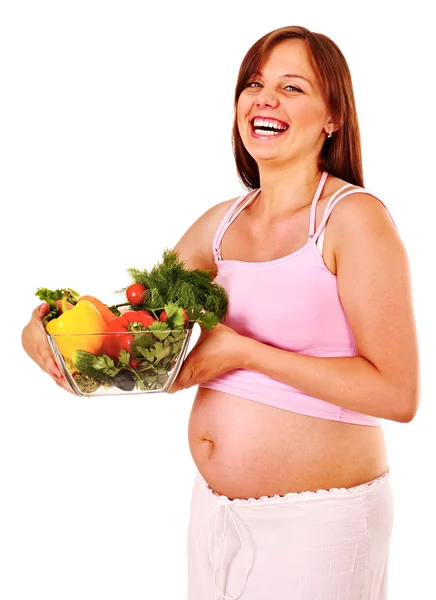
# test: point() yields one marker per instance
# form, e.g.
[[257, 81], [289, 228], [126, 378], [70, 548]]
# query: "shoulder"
[[363, 230], [195, 246], [344, 197], [359, 217]]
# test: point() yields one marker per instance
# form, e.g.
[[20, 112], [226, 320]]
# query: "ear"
[[330, 126]]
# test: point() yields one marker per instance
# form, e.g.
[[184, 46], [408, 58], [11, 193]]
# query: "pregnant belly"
[[246, 449]]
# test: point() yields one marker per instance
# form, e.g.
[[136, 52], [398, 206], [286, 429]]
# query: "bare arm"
[[374, 286]]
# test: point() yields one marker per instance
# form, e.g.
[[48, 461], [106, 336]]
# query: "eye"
[[253, 84], [293, 88]]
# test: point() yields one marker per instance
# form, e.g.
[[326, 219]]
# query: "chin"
[[261, 151], [264, 154]]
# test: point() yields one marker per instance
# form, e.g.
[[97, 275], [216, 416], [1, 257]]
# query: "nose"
[[266, 98]]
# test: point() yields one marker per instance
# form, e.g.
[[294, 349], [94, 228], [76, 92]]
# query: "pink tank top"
[[305, 314]]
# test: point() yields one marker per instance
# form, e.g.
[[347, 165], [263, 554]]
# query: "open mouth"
[[268, 127]]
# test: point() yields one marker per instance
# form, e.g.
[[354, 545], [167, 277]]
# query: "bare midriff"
[[246, 449]]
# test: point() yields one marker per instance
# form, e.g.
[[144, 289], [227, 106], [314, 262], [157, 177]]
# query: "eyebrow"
[[289, 76], [292, 75]]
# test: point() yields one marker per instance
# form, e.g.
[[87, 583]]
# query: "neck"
[[285, 191]]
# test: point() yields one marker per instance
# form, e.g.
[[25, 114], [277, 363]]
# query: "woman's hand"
[[35, 343], [217, 351]]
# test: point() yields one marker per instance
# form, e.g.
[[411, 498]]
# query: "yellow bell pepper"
[[82, 319]]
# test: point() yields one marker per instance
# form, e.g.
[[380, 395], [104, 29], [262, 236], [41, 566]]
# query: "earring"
[[330, 134]]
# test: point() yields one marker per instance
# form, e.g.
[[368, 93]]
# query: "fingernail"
[[56, 373]]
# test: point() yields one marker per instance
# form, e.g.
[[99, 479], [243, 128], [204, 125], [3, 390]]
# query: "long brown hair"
[[341, 155]]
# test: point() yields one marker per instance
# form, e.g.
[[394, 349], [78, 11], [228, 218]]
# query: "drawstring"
[[225, 504]]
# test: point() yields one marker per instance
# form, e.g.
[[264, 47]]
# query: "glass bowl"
[[119, 363]]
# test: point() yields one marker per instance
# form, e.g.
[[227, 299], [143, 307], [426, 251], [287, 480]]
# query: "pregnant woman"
[[292, 499]]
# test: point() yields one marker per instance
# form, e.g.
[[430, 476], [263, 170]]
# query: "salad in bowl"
[[139, 345]]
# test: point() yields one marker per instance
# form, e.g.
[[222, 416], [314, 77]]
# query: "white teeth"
[[266, 132], [267, 123]]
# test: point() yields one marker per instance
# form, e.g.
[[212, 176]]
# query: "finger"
[[39, 313], [44, 308], [58, 377], [55, 372], [47, 362], [186, 374], [63, 383], [176, 387]]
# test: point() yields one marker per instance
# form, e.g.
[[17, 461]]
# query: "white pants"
[[324, 545]]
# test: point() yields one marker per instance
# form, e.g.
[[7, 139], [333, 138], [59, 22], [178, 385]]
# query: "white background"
[[115, 136]]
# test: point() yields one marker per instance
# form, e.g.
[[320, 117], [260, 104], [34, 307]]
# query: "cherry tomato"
[[136, 293]]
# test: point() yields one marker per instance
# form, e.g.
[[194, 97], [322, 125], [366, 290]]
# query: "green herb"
[[105, 364], [170, 282], [157, 350], [207, 319], [50, 296]]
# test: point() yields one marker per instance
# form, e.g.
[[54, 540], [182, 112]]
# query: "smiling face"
[[281, 113]]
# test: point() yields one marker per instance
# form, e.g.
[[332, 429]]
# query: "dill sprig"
[[170, 281]]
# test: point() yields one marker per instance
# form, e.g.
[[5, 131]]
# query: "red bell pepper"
[[117, 337]]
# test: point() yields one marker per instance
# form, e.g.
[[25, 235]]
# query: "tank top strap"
[[228, 218], [336, 197], [315, 202]]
